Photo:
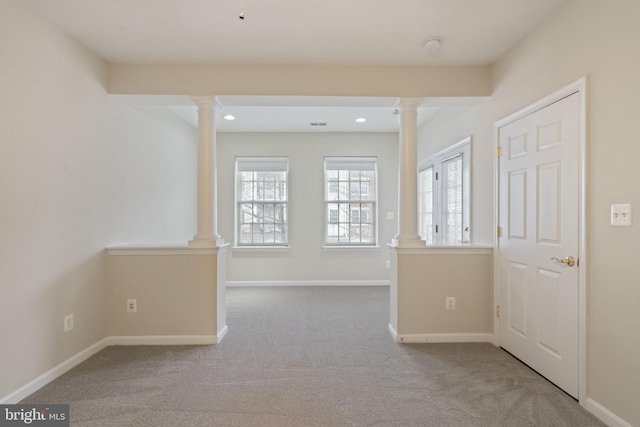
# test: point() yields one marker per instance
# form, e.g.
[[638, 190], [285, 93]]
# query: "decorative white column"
[[207, 235], [407, 236]]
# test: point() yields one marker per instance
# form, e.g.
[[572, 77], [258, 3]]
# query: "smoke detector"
[[432, 45]]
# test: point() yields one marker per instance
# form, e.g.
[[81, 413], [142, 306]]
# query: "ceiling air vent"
[[318, 123]]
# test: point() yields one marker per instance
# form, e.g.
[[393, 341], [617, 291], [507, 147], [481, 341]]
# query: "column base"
[[206, 243], [408, 243]]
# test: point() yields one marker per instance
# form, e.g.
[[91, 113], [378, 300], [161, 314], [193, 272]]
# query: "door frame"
[[579, 88]]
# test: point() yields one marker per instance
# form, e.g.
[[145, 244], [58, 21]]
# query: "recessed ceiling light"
[[229, 117], [361, 120]]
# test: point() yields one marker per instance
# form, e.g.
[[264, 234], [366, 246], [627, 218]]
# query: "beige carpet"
[[312, 356]]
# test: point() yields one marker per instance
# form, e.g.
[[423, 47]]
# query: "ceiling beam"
[[273, 80]]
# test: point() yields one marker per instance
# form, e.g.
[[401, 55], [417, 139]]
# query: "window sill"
[[351, 248], [261, 248]]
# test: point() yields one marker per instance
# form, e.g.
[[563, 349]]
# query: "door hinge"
[[499, 152], [499, 232], [497, 311]]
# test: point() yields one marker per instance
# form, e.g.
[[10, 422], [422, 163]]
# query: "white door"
[[538, 284]]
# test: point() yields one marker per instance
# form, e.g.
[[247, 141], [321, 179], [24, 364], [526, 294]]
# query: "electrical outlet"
[[132, 306], [68, 322], [450, 303], [388, 264]]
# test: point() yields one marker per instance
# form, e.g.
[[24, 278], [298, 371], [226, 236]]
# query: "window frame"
[[351, 163], [266, 164], [436, 161]]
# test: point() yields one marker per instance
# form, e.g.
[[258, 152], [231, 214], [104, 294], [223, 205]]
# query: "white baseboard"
[[53, 373], [165, 340], [393, 333], [221, 334], [258, 283], [439, 338], [605, 415]]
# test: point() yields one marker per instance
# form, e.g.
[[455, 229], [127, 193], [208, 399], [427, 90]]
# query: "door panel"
[[518, 204], [518, 299], [539, 218], [549, 309], [549, 198]]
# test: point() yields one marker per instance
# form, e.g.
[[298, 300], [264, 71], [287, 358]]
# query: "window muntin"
[[444, 196], [261, 201], [350, 200]]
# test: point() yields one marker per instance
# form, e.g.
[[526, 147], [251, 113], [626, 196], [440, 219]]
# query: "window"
[[261, 201], [444, 196], [350, 200]]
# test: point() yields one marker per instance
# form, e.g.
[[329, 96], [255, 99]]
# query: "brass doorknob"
[[570, 261]]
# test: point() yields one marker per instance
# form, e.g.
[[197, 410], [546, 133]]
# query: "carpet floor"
[[310, 356]]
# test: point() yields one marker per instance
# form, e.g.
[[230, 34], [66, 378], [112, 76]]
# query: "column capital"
[[204, 101], [405, 102]]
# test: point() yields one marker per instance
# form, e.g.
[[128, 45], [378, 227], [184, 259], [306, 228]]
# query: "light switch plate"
[[621, 215]]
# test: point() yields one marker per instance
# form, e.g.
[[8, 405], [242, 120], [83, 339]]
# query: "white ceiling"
[[305, 114], [300, 32], [314, 32]]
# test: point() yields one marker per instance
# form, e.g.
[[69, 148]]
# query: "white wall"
[[600, 40], [157, 188], [306, 259], [66, 189], [54, 171]]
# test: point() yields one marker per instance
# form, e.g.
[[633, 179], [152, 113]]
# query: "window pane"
[[246, 190], [269, 190], [333, 213], [245, 233], [367, 185], [355, 215], [343, 190], [256, 234], [364, 190], [333, 190], [355, 190], [279, 187]]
